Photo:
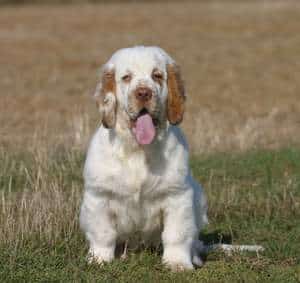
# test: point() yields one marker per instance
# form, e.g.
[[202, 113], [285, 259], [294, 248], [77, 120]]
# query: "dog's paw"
[[197, 261], [100, 256], [177, 258], [178, 266], [92, 259], [197, 248]]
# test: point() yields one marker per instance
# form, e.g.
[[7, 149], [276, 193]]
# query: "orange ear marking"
[[176, 95], [108, 82], [106, 98]]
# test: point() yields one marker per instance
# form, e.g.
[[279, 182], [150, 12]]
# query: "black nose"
[[143, 93]]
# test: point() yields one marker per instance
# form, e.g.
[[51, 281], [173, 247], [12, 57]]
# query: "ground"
[[253, 199], [240, 62]]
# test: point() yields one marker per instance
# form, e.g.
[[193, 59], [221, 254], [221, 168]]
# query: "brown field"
[[241, 64]]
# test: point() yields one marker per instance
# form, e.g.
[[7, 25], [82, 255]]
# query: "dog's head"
[[140, 89]]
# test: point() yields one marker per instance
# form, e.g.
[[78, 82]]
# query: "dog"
[[138, 185]]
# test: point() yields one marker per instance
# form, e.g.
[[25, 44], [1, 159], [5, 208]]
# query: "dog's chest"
[[138, 209], [138, 180]]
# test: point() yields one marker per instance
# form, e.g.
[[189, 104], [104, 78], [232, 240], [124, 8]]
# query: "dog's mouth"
[[144, 127]]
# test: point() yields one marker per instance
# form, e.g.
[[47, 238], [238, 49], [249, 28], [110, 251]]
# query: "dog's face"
[[141, 88]]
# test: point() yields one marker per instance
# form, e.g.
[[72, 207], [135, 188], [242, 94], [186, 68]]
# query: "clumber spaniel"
[[138, 184]]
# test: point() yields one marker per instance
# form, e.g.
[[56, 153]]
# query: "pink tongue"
[[144, 129]]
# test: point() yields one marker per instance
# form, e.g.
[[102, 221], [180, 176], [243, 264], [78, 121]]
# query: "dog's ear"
[[176, 94], [105, 96]]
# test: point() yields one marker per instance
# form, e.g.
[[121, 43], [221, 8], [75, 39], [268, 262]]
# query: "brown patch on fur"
[[107, 104], [108, 82], [176, 95], [158, 76]]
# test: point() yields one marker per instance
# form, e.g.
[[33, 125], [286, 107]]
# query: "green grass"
[[253, 198]]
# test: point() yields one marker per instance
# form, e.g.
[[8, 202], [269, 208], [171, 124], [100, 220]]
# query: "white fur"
[[141, 194]]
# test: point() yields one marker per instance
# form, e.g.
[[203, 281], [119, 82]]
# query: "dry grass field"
[[241, 64]]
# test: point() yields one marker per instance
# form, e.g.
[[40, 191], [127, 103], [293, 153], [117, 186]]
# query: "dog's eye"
[[126, 78], [157, 76]]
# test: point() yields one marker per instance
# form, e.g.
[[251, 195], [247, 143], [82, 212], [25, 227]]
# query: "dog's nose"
[[143, 94]]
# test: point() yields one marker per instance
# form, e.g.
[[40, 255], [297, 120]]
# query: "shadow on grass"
[[216, 237]]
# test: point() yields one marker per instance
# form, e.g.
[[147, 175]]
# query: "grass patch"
[[253, 199]]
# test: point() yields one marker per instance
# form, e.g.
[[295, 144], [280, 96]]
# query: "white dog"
[[138, 185]]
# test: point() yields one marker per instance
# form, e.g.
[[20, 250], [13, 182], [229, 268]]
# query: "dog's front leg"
[[180, 232], [99, 226]]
